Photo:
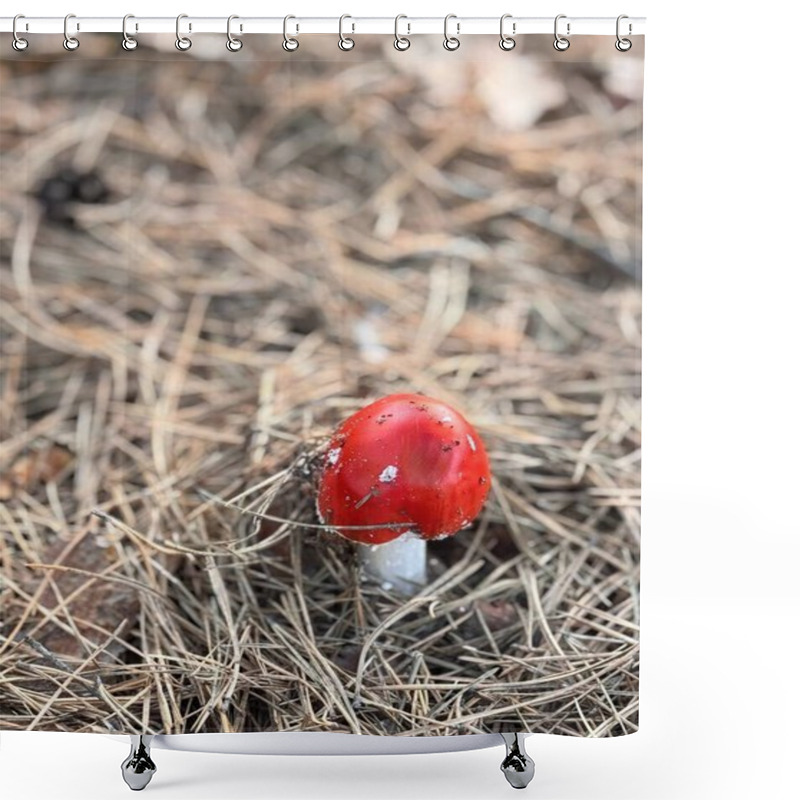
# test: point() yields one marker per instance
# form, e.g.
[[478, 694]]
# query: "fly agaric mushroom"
[[411, 464]]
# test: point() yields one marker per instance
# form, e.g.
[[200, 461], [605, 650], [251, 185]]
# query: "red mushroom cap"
[[403, 458]]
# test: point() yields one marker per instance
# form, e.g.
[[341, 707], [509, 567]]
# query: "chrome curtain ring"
[[451, 42], [561, 43], [507, 42], [18, 43], [70, 42], [128, 42], [233, 44], [183, 43], [623, 45], [290, 44], [401, 42], [345, 42]]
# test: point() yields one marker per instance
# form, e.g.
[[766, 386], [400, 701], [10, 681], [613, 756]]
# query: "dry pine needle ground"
[[282, 241]]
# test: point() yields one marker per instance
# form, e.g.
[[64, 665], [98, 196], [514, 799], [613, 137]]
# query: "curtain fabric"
[[210, 262]]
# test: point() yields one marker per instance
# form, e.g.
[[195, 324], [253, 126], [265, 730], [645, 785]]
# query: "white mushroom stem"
[[399, 565]]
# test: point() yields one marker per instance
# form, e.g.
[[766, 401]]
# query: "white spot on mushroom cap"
[[471, 443], [333, 455], [388, 475], [447, 418]]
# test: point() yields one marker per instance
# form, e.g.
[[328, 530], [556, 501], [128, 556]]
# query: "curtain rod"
[[297, 26]]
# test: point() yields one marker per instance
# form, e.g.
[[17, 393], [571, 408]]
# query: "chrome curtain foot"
[[138, 768], [517, 766]]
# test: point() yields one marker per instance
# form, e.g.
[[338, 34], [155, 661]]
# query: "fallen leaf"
[[34, 468], [516, 92]]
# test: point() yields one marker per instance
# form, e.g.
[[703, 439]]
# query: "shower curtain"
[[211, 261]]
